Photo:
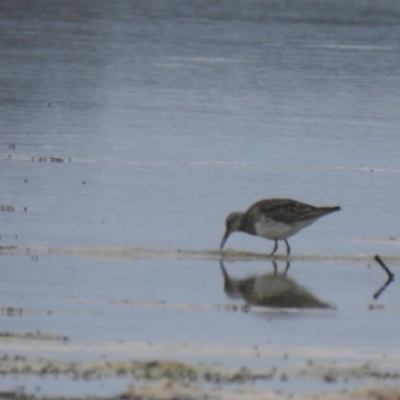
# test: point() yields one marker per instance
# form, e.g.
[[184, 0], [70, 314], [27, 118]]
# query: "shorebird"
[[274, 219]]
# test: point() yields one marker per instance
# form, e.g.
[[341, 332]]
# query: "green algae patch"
[[190, 372], [32, 336], [229, 255], [166, 389], [167, 369], [141, 370], [333, 373], [174, 380]]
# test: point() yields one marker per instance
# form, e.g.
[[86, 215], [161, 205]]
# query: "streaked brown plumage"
[[274, 219]]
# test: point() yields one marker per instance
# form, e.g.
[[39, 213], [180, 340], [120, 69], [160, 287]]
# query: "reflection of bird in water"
[[272, 290], [274, 219]]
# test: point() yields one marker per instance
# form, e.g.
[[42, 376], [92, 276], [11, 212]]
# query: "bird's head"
[[233, 223]]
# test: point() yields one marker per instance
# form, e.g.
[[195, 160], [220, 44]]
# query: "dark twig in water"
[[383, 265], [389, 280]]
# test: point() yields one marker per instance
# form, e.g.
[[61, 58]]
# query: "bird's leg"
[[287, 268], [287, 247], [275, 248], [275, 268]]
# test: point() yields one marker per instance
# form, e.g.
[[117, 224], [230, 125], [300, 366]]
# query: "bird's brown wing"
[[285, 210]]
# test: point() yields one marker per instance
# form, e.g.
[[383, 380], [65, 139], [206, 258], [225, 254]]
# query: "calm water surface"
[[168, 116]]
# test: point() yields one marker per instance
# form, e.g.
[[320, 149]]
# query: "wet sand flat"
[[130, 130], [142, 340]]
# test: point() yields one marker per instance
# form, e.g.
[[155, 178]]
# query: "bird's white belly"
[[277, 230]]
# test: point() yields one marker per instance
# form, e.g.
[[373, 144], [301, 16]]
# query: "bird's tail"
[[320, 212], [327, 210]]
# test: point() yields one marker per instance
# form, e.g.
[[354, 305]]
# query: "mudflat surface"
[[129, 132]]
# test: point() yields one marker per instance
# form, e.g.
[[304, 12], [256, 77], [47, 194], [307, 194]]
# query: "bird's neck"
[[247, 225]]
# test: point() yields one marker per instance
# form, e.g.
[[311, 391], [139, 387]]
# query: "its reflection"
[[272, 290]]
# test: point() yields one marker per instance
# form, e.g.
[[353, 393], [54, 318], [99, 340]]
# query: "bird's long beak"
[[225, 238]]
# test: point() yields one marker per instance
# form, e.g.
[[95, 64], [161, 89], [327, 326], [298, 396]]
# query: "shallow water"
[[129, 132]]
